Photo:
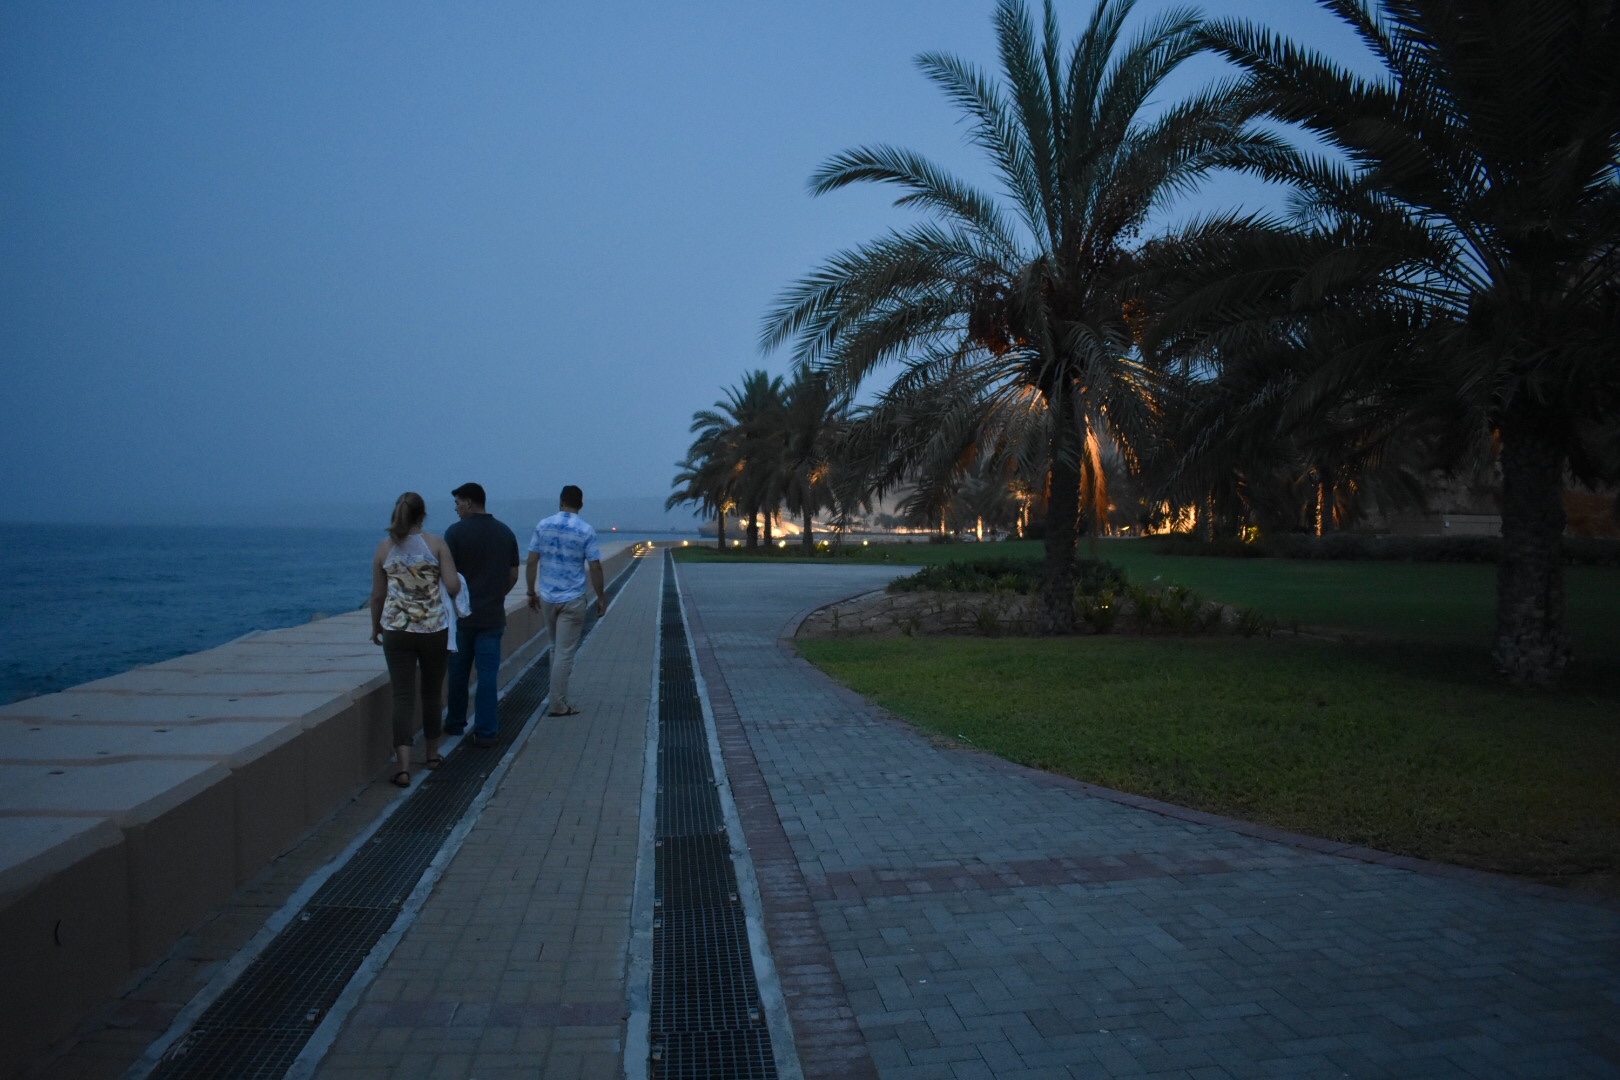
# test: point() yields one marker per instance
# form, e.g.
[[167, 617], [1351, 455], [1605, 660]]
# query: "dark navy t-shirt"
[[485, 552]]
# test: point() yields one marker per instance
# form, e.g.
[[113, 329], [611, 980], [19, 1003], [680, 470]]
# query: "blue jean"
[[480, 648]]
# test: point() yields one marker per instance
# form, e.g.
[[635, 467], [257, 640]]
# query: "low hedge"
[[1004, 574], [1103, 594]]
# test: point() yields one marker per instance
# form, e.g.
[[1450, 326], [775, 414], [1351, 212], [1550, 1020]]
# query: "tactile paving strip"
[[260, 1024], [706, 1020]]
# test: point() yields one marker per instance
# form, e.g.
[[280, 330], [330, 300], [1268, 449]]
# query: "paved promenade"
[[516, 966], [934, 912], [989, 921]]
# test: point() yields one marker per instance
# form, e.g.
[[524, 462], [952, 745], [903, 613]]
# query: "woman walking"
[[408, 621]]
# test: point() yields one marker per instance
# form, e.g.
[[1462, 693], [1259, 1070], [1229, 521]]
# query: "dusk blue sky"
[[270, 257]]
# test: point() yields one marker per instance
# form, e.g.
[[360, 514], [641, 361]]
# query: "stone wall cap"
[[289, 659], [230, 683], [233, 743], [163, 709], [129, 792], [351, 629], [33, 849]]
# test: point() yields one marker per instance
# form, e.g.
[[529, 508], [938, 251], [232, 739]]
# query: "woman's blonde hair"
[[409, 512]]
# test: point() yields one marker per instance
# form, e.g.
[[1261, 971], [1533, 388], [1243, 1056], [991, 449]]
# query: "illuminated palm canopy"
[[992, 297]]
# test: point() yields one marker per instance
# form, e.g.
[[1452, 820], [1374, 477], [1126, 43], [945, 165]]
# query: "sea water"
[[88, 601]]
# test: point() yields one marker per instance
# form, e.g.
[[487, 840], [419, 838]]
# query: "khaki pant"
[[565, 623]]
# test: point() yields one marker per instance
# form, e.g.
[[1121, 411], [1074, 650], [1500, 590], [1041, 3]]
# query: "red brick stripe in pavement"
[[1015, 874], [830, 1042]]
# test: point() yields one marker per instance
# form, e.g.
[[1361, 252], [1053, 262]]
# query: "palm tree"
[[738, 456], [1025, 292], [1469, 205], [1254, 426], [705, 481], [813, 416], [933, 434], [985, 498], [711, 474]]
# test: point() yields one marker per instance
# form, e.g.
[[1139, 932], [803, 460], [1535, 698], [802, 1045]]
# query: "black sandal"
[[434, 762], [402, 779]]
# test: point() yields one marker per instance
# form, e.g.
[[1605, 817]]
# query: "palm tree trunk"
[[1062, 525], [1324, 500], [809, 538], [1093, 492], [722, 528], [1532, 647], [768, 515], [753, 529]]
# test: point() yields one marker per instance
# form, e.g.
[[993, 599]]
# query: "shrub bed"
[[1022, 576], [1105, 601]]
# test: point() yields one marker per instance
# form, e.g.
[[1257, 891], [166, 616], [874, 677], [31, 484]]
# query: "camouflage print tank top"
[[412, 602]]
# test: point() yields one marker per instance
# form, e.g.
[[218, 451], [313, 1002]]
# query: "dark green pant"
[[405, 652]]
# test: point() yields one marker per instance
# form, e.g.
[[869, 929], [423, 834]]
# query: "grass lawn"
[[1430, 602], [1396, 736]]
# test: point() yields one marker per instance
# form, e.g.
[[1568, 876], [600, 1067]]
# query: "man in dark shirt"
[[486, 554]]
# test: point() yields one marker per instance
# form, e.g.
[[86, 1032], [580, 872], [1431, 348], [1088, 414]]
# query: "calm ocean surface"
[[90, 601]]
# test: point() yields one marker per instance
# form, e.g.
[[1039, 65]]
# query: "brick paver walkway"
[[987, 920], [516, 964], [935, 912]]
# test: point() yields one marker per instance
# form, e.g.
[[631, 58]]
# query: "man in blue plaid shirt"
[[563, 549]]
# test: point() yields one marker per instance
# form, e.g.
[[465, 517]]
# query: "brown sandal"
[[402, 779]]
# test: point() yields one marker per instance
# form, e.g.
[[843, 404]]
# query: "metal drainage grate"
[[693, 873], [706, 965], [688, 810], [382, 873], [713, 1055], [705, 1020], [257, 1028]]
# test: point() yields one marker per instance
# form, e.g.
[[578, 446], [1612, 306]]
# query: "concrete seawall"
[[133, 805]]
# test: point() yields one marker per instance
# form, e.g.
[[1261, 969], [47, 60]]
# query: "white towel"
[[459, 607]]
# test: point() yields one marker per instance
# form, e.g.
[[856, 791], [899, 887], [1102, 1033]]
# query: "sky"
[[265, 261]]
